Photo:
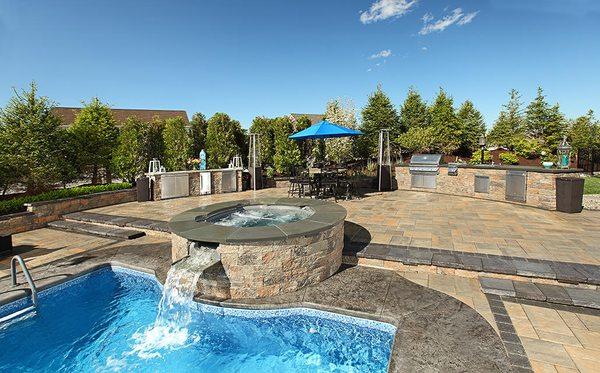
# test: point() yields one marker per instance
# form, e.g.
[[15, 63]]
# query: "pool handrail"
[[13, 273]]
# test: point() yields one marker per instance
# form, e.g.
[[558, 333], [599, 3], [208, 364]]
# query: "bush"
[[509, 158], [16, 204], [476, 157]]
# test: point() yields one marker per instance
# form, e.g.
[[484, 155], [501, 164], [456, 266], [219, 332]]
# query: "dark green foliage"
[[379, 113], [153, 144], [419, 140], [544, 122], [198, 126], [287, 154], [177, 144], [445, 123], [222, 135], [129, 160], [95, 137], [16, 204], [472, 127], [265, 128], [31, 143], [509, 127], [509, 158], [414, 112], [305, 146]]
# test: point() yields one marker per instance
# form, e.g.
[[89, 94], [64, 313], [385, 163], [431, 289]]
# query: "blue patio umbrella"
[[324, 130]]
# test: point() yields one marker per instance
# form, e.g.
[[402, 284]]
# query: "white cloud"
[[383, 9], [456, 17], [383, 54], [424, 48]]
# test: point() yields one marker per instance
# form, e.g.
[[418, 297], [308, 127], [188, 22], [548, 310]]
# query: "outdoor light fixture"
[[564, 153], [254, 161], [482, 145]]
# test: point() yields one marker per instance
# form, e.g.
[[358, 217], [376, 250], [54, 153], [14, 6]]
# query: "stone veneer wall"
[[38, 214], [261, 269], [541, 187], [215, 181], [265, 269]]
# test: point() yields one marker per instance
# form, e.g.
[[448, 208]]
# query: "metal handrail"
[[13, 272]]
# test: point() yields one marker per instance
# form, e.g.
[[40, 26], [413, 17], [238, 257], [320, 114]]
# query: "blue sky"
[[267, 57]]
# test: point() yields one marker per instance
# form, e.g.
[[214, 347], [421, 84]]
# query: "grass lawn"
[[592, 185]]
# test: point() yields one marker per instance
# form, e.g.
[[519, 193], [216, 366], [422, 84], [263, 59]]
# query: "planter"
[[547, 165]]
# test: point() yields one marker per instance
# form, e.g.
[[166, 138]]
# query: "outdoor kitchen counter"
[[532, 186], [190, 183]]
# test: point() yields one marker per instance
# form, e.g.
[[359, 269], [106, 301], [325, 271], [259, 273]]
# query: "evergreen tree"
[[543, 122], [414, 112], [30, 142], [305, 146], [472, 127], [129, 159], [265, 128], [153, 144], [379, 113], [198, 133], [509, 127], [221, 135], [445, 123], [287, 154], [340, 149], [177, 144], [95, 134], [584, 135]]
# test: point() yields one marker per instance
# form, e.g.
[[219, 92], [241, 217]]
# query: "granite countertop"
[[192, 171], [512, 168]]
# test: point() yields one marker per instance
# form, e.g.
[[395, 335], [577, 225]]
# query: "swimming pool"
[[107, 321]]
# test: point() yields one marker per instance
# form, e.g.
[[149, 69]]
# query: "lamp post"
[[482, 145], [564, 153]]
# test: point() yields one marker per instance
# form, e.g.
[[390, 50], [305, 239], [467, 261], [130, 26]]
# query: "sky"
[[265, 57]]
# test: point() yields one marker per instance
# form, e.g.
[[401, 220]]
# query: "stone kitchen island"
[[531, 186]]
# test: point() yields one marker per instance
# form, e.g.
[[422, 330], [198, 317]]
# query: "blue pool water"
[[107, 321]]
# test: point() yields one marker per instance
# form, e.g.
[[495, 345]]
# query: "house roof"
[[67, 114], [314, 118]]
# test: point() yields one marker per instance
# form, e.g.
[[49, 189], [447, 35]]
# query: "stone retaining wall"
[[541, 186], [38, 214]]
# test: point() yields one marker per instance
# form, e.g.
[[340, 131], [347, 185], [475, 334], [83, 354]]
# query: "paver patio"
[[423, 219]]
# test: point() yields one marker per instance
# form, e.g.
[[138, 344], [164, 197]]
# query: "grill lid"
[[425, 160]]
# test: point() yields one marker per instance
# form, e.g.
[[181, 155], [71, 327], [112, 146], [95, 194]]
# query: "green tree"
[[584, 135], [305, 146], [265, 128], [472, 127], [221, 135], [95, 135], [419, 140], [543, 122], [177, 144], [378, 114], [446, 124], [414, 112], [341, 113], [30, 142], [129, 159], [287, 154], [198, 126], [153, 144], [509, 127]]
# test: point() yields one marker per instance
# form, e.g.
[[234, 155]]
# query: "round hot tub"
[[267, 246]]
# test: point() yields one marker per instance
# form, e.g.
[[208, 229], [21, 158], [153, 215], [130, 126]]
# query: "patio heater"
[[482, 146], [254, 163], [564, 153], [384, 170]]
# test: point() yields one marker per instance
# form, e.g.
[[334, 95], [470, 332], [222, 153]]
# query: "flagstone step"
[[570, 296], [119, 221], [95, 229]]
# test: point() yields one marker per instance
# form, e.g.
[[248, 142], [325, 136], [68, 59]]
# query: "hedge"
[[11, 206]]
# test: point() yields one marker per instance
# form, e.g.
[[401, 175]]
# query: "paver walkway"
[[421, 219]]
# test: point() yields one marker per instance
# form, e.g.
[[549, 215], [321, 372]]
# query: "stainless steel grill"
[[424, 169]]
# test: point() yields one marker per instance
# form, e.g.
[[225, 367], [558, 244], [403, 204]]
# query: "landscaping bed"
[[15, 205]]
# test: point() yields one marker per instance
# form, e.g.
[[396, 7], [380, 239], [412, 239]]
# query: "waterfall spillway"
[[170, 329]]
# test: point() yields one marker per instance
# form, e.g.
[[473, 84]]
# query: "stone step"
[[96, 230], [119, 221], [570, 296], [574, 273]]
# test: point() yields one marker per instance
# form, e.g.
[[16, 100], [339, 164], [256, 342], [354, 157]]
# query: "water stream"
[[170, 329]]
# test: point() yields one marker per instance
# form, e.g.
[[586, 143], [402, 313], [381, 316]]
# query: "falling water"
[[170, 329]]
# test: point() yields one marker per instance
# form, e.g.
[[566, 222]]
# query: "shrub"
[[177, 144], [509, 158], [476, 158], [16, 204]]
